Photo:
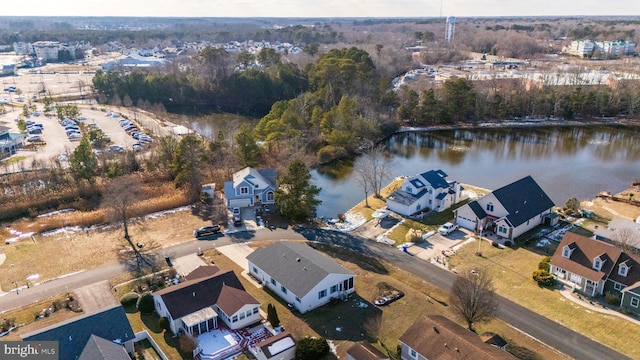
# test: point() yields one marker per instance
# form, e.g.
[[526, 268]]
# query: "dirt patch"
[[609, 209], [95, 296]]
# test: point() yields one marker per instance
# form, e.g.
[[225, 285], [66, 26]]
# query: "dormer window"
[[490, 207], [408, 189], [597, 263], [566, 252], [623, 270]]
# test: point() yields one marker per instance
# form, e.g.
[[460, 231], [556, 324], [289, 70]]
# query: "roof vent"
[[298, 259], [457, 350], [445, 344], [436, 330], [194, 294], [304, 268]]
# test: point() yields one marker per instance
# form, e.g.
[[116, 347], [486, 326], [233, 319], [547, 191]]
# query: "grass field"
[[511, 269]]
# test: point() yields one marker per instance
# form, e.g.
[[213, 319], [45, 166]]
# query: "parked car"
[[34, 130], [206, 231], [34, 138], [447, 228], [236, 211], [82, 118], [237, 220], [35, 113], [116, 148]]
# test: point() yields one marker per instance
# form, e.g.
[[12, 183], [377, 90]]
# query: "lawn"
[[512, 268], [374, 202], [164, 339]]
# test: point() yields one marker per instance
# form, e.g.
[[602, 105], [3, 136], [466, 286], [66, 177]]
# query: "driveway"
[[95, 296], [433, 247], [186, 264]]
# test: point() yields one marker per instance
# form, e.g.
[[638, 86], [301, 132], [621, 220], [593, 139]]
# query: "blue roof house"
[[429, 190], [509, 211], [251, 187]]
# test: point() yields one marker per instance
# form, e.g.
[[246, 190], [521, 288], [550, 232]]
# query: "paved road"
[[539, 327]]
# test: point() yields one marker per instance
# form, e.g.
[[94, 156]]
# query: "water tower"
[[450, 29]]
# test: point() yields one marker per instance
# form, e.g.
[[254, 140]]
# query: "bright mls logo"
[[32, 350]]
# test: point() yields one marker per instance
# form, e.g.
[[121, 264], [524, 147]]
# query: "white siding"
[[465, 217], [162, 311], [247, 320]]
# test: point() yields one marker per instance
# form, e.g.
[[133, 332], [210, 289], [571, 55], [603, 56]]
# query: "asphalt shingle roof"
[[584, 251], [98, 348], [523, 200], [297, 266]]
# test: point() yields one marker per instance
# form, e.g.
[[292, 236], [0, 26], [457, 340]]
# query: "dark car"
[[206, 231], [237, 220]]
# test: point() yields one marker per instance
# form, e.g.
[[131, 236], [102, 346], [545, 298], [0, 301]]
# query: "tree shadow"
[[150, 320], [347, 248]]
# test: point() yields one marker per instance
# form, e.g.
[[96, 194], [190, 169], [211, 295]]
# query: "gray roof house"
[[98, 348], [251, 187], [300, 275], [429, 190], [508, 211], [76, 337]]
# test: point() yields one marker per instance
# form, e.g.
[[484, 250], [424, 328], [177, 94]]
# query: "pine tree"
[[272, 316]]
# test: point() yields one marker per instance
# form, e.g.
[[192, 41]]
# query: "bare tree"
[[121, 194], [472, 296], [363, 177], [374, 165], [627, 238]]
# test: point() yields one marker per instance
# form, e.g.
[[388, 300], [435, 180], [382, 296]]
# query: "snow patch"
[[351, 222]]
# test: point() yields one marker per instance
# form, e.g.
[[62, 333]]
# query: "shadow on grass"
[[174, 342], [345, 254], [130, 309], [151, 322]]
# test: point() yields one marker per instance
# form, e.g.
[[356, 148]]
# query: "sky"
[[318, 8]]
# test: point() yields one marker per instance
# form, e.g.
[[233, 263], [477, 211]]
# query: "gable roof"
[[202, 271], [436, 337], [362, 350], [72, 335], [436, 178], [477, 209], [633, 272], [98, 348], [402, 197], [523, 200], [297, 266], [581, 260], [232, 300], [493, 339], [194, 295], [248, 174]]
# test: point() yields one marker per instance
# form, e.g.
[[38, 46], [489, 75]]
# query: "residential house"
[[7, 69], [429, 190], [194, 306], [302, 276], [435, 337], [596, 267], [86, 336], [509, 211], [279, 347], [10, 142], [620, 231], [251, 187], [362, 350]]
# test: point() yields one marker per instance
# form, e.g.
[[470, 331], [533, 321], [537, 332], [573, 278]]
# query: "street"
[[547, 331]]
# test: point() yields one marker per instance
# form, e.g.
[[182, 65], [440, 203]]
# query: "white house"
[[300, 275], [429, 190], [251, 187], [196, 305], [509, 211], [279, 347]]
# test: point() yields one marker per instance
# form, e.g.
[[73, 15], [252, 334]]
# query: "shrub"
[[544, 264], [544, 278], [187, 343], [311, 348], [508, 243], [163, 322], [627, 311], [413, 236], [612, 298], [272, 315], [495, 244], [145, 303], [129, 299]]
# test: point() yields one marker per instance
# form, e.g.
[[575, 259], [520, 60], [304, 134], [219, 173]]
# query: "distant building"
[[23, 48], [450, 29], [8, 69], [47, 50], [587, 48]]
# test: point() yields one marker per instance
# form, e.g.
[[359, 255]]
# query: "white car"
[[236, 211], [447, 228]]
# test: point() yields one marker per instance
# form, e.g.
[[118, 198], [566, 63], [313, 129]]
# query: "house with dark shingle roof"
[[509, 211], [429, 190], [362, 350], [435, 337], [87, 335], [251, 187], [196, 305], [98, 348], [595, 267], [302, 276]]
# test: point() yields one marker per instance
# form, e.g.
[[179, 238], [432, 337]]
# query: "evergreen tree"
[[83, 161], [295, 196], [272, 316]]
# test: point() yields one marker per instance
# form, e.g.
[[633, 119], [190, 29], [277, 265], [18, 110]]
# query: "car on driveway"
[[447, 228], [206, 231]]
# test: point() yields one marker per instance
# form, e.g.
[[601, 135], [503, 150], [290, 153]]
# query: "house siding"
[[248, 320], [405, 354], [162, 311]]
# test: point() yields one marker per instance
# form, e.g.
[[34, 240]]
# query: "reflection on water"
[[565, 161]]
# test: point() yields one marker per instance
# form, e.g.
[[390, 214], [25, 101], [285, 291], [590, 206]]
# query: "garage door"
[[239, 203], [466, 223]]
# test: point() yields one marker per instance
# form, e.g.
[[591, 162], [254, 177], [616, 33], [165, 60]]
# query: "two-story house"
[[251, 187], [509, 211], [429, 190]]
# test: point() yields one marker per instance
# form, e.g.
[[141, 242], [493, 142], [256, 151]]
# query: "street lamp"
[[479, 240]]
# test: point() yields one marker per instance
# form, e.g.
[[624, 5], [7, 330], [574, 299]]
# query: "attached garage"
[[231, 203], [466, 222]]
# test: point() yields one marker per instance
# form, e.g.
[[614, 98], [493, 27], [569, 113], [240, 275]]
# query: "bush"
[[544, 278], [508, 243], [612, 298], [129, 299], [413, 236], [163, 322], [312, 348], [544, 264], [145, 303], [627, 311], [187, 343]]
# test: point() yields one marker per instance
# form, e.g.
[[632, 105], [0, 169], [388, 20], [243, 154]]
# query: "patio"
[[224, 343]]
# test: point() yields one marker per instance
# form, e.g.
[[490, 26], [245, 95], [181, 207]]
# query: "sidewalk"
[[585, 302]]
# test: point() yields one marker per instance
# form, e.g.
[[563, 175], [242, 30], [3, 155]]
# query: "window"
[[333, 289], [634, 302], [597, 263], [270, 196], [256, 186], [273, 281], [244, 190], [418, 206], [298, 299], [502, 229], [617, 286], [414, 354], [566, 252], [234, 318], [283, 289], [322, 293], [350, 284], [158, 306], [623, 269], [241, 316], [489, 207], [409, 189], [255, 269], [255, 310], [248, 313]]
